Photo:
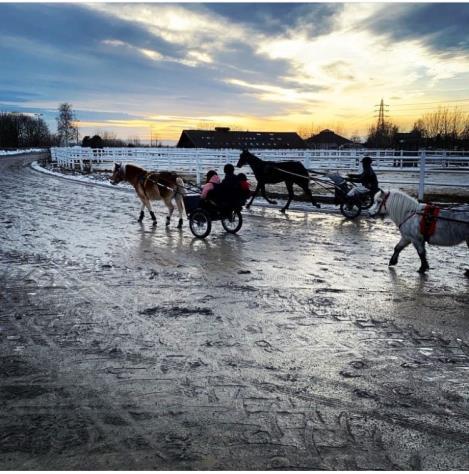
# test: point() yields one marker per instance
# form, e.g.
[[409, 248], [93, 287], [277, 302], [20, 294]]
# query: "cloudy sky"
[[127, 68]]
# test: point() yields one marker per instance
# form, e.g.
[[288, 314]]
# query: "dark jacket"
[[367, 178]]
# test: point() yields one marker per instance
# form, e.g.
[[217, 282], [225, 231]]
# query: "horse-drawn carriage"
[[294, 172], [202, 212], [351, 206]]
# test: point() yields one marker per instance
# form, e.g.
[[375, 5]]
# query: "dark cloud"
[[280, 18], [75, 27], [16, 96], [58, 52], [442, 26]]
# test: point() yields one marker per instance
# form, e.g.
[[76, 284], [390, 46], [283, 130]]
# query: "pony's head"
[[243, 158], [379, 204], [118, 174]]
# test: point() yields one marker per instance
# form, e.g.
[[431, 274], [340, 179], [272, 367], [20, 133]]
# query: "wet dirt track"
[[292, 345]]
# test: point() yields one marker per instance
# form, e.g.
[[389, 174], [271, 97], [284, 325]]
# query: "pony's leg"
[[403, 243], [264, 195], [152, 214], [180, 205], [420, 247], [170, 206], [253, 195], [310, 196], [289, 186], [142, 214]]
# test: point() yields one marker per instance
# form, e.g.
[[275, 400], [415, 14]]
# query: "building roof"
[[223, 137], [327, 137]]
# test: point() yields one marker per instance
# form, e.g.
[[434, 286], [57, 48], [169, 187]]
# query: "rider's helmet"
[[229, 168], [367, 160]]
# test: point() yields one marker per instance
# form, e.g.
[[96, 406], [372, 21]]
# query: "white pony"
[[451, 226]]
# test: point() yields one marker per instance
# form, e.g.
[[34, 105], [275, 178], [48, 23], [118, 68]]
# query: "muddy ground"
[[288, 346]]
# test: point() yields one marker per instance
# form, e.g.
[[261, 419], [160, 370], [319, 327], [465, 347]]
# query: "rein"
[[444, 218], [293, 174]]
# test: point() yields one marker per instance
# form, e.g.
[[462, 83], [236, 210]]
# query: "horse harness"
[[147, 177], [429, 218]]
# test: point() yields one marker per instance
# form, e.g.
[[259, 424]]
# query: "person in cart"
[[367, 179], [228, 193], [212, 180]]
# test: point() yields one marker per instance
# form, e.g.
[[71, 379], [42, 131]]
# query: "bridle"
[[383, 203], [121, 173]]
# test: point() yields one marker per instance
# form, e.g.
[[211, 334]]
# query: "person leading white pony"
[[447, 227]]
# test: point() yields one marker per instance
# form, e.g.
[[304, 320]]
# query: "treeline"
[[445, 128], [110, 140], [24, 131]]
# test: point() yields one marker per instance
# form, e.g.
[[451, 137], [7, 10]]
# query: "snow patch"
[[21, 152]]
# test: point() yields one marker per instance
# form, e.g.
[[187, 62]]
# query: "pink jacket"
[[209, 186]]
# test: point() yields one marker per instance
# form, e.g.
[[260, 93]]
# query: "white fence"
[[198, 160]]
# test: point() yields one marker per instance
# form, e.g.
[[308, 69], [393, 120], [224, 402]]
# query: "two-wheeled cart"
[[202, 212], [338, 188]]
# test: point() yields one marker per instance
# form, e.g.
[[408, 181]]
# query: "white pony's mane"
[[399, 205]]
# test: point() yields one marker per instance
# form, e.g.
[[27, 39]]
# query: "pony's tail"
[[180, 185]]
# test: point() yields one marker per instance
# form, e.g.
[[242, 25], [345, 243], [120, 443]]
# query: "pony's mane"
[[130, 165], [399, 204]]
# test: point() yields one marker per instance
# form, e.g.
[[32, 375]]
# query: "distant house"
[[408, 141], [327, 139], [223, 137]]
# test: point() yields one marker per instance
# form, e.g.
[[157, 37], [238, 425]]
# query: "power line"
[[416, 115], [442, 102]]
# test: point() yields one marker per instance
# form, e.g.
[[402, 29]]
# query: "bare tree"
[[444, 127], [383, 136], [66, 130], [134, 142]]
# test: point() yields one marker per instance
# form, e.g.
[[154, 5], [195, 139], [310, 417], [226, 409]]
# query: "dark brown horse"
[[152, 186], [272, 172]]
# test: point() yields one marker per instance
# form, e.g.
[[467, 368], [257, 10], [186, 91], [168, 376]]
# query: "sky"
[[158, 68]]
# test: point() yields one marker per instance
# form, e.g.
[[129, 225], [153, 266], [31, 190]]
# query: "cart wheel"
[[200, 224], [367, 201], [233, 222], [350, 209]]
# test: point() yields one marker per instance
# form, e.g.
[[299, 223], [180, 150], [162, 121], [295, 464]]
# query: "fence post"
[[422, 175], [307, 160], [197, 167]]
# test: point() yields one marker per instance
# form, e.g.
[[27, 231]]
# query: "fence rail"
[[198, 160]]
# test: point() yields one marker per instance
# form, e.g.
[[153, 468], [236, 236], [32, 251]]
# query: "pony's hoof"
[[422, 270], [392, 262], [273, 202], [248, 206], [466, 273], [283, 211], [317, 205], [179, 226]]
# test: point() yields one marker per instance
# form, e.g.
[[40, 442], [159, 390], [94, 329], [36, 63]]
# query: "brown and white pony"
[[152, 186]]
